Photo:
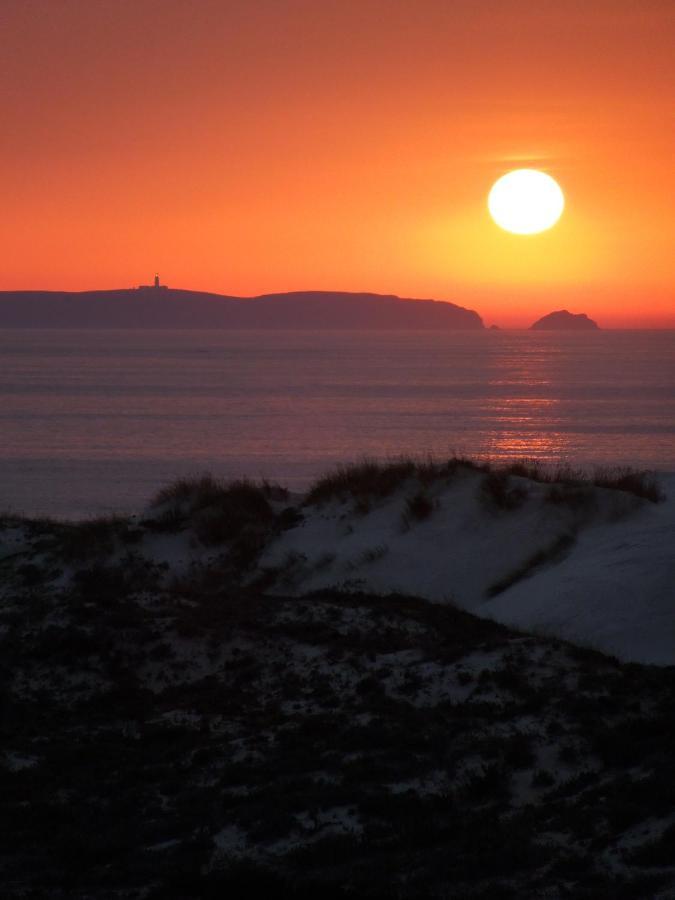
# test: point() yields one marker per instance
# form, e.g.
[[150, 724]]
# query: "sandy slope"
[[600, 572], [613, 589]]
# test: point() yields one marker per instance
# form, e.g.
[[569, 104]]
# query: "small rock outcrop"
[[562, 320]]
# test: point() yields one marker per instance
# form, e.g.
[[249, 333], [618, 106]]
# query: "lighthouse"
[[155, 286]]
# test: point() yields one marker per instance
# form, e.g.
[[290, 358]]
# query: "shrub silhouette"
[[419, 507], [220, 511], [498, 493], [79, 541]]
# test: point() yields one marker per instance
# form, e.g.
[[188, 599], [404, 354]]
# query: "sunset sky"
[[251, 146]]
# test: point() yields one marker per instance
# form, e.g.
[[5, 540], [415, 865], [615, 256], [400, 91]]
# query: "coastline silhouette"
[[159, 306]]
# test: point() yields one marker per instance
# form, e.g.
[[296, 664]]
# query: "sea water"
[[96, 421]]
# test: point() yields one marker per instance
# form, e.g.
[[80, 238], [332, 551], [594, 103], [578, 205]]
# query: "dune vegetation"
[[221, 696]]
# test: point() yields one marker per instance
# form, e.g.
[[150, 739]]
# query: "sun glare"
[[526, 201]]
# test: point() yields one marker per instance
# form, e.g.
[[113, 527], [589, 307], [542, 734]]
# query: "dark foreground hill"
[[189, 733], [171, 308]]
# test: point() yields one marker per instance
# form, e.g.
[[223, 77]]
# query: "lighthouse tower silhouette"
[[155, 286]]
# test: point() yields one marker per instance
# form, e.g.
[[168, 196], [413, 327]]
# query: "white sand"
[[614, 589]]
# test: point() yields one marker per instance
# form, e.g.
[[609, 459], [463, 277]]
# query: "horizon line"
[[160, 288]]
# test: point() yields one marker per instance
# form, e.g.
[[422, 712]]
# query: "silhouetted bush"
[[417, 508], [208, 492], [498, 492], [94, 538], [219, 511]]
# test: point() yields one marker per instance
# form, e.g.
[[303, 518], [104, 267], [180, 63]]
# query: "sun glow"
[[526, 201]]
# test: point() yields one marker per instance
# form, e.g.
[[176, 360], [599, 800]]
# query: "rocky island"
[[563, 320]]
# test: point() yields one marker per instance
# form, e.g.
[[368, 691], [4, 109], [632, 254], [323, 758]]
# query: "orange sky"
[[248, 146]]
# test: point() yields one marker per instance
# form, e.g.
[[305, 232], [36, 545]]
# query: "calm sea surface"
[[95, 421]]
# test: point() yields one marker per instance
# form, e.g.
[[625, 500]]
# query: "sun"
[[526, 201]]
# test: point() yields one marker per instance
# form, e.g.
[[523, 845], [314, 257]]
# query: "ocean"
[[93, 422]]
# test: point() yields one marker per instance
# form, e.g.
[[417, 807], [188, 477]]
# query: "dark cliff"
[[171, 308]]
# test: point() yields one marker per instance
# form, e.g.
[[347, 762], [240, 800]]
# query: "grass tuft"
[[418, 508], [498, 492], [640, 483], [218, 511], [361, 481], [94, 538], [206, 491], [372, 479]]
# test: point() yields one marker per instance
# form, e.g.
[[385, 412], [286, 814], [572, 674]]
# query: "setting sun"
[[526, 201]]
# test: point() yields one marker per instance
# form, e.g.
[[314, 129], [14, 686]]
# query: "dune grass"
[[371, 479], [206, 491], [632, 481], [639, 482], [91, 538], [418, 507], [219, 511], [498, 491]]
